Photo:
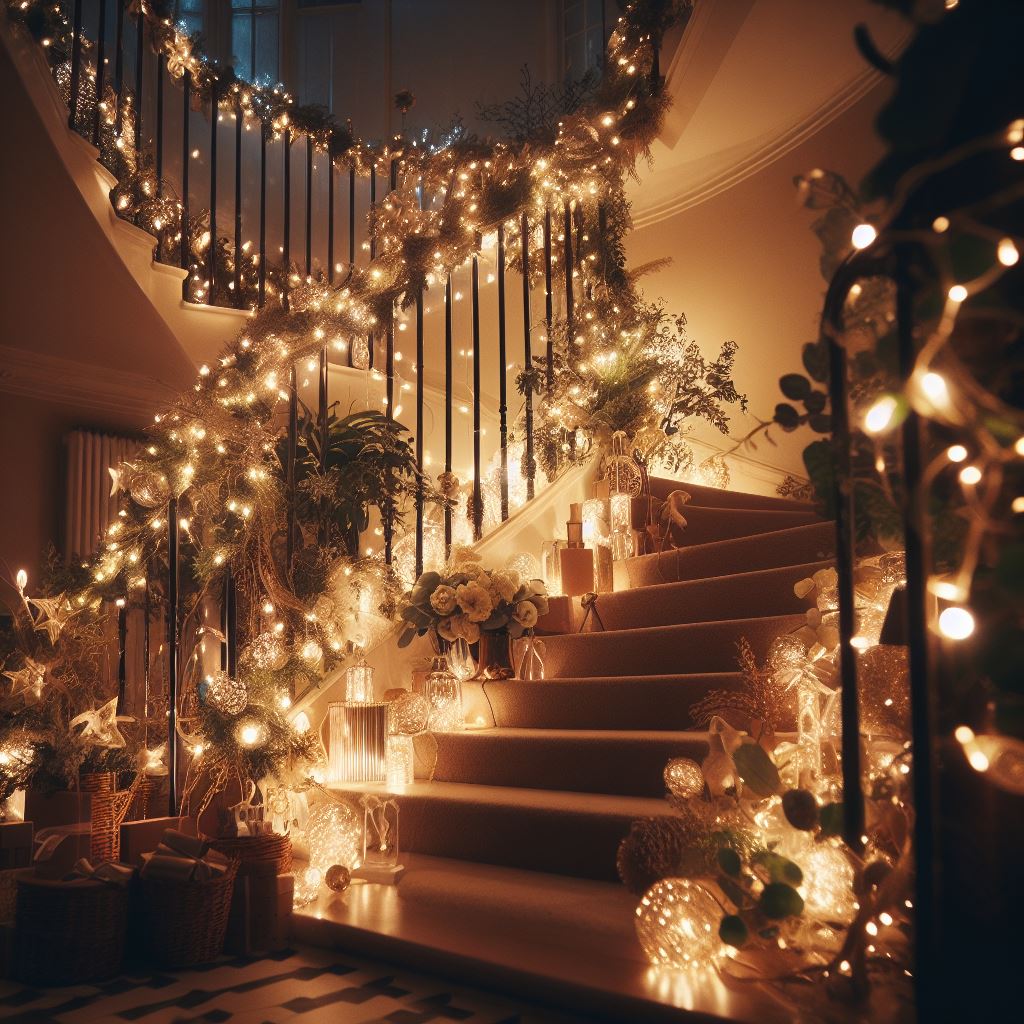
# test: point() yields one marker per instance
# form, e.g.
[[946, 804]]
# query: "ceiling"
[[751, 79]]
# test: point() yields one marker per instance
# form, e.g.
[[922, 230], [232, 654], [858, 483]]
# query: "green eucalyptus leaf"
[[757, 770], [777, 867], [729, 861], [779, 900], [831, 816], [795, 386], [733, 931]]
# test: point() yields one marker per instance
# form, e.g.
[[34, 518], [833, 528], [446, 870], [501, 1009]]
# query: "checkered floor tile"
[[305, 985]]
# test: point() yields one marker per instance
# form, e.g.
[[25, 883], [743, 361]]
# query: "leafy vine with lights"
[[213, 459]]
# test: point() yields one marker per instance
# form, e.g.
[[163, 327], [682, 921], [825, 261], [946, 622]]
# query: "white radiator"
[[90, 507]]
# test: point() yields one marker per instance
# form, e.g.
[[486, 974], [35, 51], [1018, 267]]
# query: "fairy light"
[[957, 293], [956, 453], [880, 416], [863, 235], [1007, 253], [956, 623], [970, 475]]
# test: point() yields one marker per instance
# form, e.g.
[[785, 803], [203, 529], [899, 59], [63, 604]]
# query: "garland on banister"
[[214, 460]]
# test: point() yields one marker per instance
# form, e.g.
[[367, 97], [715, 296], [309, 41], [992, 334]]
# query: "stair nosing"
[[674, 625]]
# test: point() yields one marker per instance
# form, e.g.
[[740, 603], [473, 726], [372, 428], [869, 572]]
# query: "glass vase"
[[380, 832], [444, 694], [531, 658]]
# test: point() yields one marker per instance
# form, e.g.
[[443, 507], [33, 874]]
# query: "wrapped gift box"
[[15, 844], [139, 837], [65, 807], [261, 911]]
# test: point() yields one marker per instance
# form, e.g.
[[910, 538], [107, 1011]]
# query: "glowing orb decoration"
[[338, 878], [828, 883], [407, 714], [684, 778], [268, 651], [250, 733], [227, 695], [677, 924], [525, 565], [335, 835], [307, 886]]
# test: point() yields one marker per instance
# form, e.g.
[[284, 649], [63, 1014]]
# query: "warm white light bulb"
[[22, 579], [956, 453], [957, 293], [970, 475], [1007, 252], [863, 235], [934, 386], [956, 623], [879, 416]]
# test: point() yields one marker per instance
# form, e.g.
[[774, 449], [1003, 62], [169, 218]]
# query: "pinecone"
[[658, 848]]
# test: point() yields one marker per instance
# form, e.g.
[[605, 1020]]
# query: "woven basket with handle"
[[68, 932], [183, 923], [270, 848], [110, 808]]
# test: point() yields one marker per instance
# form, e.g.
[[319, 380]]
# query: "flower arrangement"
[[467, 600]]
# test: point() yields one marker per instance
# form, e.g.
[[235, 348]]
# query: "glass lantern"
[[444, 694], [359, 683]]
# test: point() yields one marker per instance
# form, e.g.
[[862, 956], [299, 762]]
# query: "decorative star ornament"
[[100, 725], [28, 680]]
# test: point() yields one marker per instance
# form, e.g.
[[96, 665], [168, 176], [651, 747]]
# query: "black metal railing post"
[[101, 73], [261, 271], [309, 205], [286, 254], [211, 295], [502, 374], [186, 155], [527, 358], [140, 66], [239, 119], [478, 507], [75, 87], [447, 409], [548, 302], [419, 431], [173, 647]]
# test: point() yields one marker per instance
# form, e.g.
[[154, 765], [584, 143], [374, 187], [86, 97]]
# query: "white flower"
[[475, 602], [443, 600], [526, 614], [463, 627], [505, 583]]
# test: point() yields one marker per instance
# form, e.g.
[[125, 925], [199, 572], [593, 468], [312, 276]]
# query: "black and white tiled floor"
[[304, 985]]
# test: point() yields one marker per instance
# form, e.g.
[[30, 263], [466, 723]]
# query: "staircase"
[[511, 847]]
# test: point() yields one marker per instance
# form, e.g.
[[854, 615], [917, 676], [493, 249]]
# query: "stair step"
[[794, 546], [715, 497], [706, 525], [567, 942], [662, 650], [560, 832], [741, 594], [608, 702], [626, 763]]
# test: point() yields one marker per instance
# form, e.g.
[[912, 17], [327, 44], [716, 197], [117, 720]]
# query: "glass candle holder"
[[444, 694], [380, 832]]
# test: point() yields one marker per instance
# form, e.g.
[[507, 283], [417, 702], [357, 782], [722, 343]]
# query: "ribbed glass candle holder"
[[358, 740]]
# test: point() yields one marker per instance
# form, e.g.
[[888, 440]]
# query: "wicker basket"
[[109, 809], [183, 923], [264, 849], [68, 932], [9, 890]]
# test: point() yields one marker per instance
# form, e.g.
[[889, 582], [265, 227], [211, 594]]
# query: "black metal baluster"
[[448, 408], [76, 66], [528, 358], [351, 217], [502, 374], [570, 304], [548, 301], [159, 141], [140, 67], [239, 119], [173, 640], [286, 254], [309, 205], [186, 246], [419, 431], [928, 923], [322, 420], [118, 63], [373, 241], [478, 507], [229, 649], [211, 295], [602, 230], [330, 217], [291, 454], [261, 286], [100, 81], [122, 652]]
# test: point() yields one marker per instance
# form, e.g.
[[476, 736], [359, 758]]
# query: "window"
[[583, 29], [191, 14], [255, 26]]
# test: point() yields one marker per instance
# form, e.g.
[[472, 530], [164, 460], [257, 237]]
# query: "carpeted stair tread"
[[605, 702], [628, 763], [568, 942], [739, 595], [661, 650], [556, 831], [715, 497], [793, 546], [706, 525]]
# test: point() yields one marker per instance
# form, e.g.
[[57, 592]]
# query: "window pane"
[[575, 56], [241, 44], [190, 7], [266, 46], [594, 47]]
